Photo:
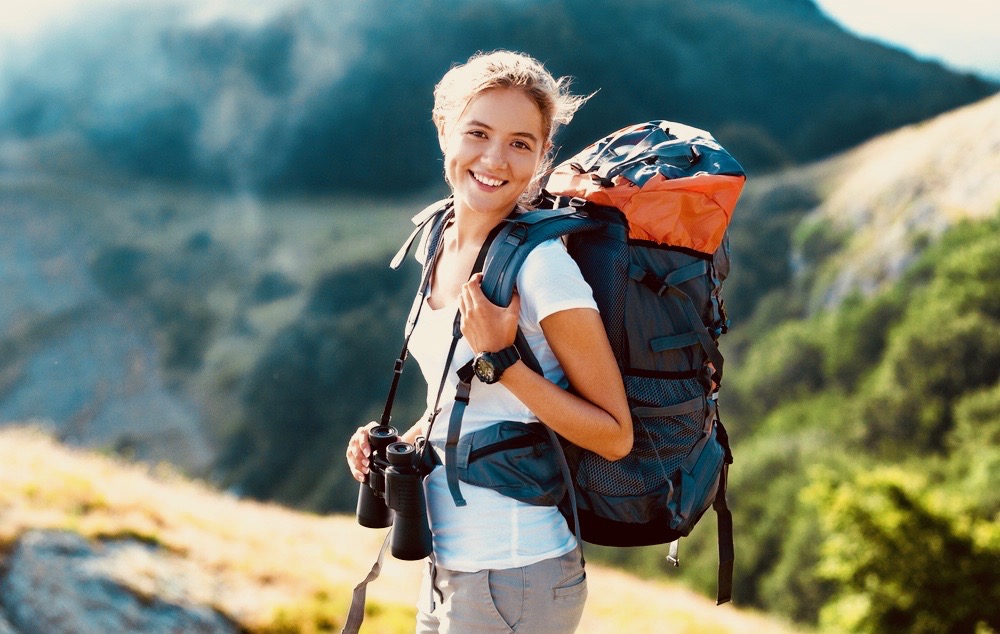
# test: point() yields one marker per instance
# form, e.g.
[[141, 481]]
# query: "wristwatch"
[[490, 366]]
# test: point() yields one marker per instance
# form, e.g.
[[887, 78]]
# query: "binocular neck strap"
[[433, 250], [352, 624]]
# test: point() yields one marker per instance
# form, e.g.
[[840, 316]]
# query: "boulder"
[[57, 582]]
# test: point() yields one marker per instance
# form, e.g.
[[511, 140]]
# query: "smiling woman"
[[495, 118], [490, 165]]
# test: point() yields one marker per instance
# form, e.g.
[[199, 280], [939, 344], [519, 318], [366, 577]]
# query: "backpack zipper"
[[518, 442]]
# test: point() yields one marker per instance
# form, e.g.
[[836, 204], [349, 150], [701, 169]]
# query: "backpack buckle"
[[657, 285]]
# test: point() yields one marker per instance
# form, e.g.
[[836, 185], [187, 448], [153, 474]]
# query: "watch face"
[[484, 369]]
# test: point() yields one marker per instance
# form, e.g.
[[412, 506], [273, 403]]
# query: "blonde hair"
[[507, 69]]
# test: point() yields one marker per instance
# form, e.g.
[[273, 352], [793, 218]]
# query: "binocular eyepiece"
[[393, 493]]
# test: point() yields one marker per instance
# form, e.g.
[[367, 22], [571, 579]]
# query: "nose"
[[495, 156]]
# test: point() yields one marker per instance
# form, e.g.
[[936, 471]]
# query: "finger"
[[474, 291], [515, 302], [358, 455]]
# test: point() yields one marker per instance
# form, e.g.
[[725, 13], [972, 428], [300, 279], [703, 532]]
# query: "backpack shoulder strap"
[[520, 235]]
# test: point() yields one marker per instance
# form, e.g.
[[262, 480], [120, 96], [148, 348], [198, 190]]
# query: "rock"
[[58, 582], [902, 190]]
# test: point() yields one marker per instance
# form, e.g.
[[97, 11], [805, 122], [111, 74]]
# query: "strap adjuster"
[[657, 285]]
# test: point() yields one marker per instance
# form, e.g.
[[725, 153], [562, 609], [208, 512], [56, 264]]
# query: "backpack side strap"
[[727, 553]]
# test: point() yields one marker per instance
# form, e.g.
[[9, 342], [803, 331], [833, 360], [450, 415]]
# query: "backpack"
[[644, 212]]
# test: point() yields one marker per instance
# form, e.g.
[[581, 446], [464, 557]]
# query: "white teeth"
[[487, 181]]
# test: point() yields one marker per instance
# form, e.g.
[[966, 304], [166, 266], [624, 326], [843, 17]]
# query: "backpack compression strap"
[[698, 334]]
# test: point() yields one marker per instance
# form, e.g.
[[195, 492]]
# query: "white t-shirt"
[[495, 531]]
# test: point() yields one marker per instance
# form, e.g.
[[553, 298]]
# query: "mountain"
[[313, 98], [857, 221], [190, 274], [891, 197], [91, 544]]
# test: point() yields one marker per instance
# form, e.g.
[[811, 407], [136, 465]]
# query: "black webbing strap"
[[356, 613], [444, 378], [433, 252], [352, 624], [696, 404], [727, 553]]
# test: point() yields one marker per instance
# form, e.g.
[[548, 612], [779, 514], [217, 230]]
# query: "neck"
[[471, 227]]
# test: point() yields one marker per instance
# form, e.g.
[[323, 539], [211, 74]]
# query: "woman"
[[503, 565]]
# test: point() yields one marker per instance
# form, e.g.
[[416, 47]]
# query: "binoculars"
[[393, 494]]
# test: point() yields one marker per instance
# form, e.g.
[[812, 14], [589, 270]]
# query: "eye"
[[521, 145], [479, 134]]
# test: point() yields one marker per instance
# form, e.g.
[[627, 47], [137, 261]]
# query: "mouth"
[[487, 181]]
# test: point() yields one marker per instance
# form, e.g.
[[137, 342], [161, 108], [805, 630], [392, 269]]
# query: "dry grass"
[[269, 568]]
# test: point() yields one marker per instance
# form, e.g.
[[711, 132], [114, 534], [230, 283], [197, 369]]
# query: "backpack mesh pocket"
[[661, 442]]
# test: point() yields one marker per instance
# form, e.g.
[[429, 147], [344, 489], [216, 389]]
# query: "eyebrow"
[[480, 124]]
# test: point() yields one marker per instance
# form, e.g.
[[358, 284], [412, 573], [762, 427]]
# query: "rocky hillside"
[[89, 544], [868, 212]]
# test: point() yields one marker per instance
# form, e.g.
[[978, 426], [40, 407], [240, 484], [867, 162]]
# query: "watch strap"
[[505, 358]]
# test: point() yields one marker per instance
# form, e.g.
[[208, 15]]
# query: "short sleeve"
[[549, 282]]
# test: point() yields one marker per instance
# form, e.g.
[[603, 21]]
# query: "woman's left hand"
[[486, 326]]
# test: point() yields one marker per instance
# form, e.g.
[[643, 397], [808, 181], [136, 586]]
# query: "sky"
[[963, 34]]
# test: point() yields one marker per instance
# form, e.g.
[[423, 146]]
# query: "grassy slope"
[[269, 568]]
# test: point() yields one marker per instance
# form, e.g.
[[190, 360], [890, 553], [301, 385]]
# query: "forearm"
[[575, 418]]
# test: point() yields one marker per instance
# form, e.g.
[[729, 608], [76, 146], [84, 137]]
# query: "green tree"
[[905, 557]]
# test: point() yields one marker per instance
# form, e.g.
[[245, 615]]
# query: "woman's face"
[[492, 150]]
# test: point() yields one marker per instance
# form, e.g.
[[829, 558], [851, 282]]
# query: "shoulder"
[[549, 253], [549, 263], [551, 281]]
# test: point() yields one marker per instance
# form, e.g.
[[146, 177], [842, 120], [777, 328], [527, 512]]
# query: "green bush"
[[974, 465], [784, 365], [816, 239], [857, 338], [904, 558], [902, 383]]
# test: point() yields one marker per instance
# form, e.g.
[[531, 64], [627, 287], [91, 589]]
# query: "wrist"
[[490, 366]]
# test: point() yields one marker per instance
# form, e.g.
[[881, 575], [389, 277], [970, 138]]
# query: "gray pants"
[[547, 596]]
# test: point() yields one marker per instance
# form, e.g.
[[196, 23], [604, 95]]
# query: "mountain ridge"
[[296, 101]]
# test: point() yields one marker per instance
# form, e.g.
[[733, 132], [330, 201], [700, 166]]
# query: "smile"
[[485, 180]]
